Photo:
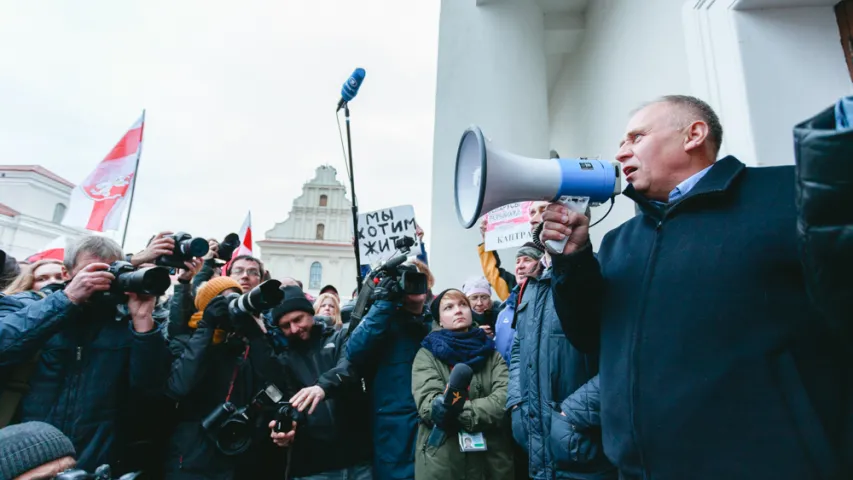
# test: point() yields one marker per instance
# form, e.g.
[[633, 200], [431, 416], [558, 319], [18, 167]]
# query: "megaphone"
[[488, 178]]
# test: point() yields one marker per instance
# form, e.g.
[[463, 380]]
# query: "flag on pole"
[[245, 237], [54, 250], [99, 201]]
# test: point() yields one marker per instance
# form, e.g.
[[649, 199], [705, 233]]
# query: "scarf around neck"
[[472, 348]]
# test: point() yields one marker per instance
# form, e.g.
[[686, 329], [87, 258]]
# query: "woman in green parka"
[[458, 341]]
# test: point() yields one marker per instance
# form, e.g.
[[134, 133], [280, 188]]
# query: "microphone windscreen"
[[350, 88], [460, 377]]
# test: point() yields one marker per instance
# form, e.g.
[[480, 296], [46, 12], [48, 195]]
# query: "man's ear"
[[696, 135]]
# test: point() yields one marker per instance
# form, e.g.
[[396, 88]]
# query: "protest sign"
[[378, 230], [508, 226]]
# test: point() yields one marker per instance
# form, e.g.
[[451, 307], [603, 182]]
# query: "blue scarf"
[[472, 347]]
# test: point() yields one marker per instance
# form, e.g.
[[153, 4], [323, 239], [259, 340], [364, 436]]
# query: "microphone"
[[351, 86], [455, 396]]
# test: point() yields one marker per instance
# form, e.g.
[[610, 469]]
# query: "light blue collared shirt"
[[684, 187]]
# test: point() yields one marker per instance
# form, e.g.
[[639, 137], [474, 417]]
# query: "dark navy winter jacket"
[[545, 371], [712, 362], [383, 348], [91, 369]]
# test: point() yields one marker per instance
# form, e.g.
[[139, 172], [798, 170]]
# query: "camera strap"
[[236, 371]]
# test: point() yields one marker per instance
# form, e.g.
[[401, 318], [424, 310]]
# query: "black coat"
[[93, 376], [713, 364], [337, 434], [199, 383], [825, 206]]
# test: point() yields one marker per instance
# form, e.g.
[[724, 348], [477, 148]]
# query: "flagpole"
[[133, 183]]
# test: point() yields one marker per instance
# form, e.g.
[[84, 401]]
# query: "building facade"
[[564, 75], [314, 243], [33, 202]]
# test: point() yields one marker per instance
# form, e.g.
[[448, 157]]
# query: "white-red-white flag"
[[245, 237], [99, 201], [54, 250]]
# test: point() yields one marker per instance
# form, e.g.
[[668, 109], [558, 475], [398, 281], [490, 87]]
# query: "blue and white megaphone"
[[488, 178]]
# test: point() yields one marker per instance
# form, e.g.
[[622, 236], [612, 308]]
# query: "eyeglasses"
[[252, 272]]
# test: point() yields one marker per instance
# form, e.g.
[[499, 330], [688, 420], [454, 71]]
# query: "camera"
[[263, 297], [228, 246], [412, 282], [152, 281], [186, 248], [104, 472], [144, 281], [284, 417], [232, 428]]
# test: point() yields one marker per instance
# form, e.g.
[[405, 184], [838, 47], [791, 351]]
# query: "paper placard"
[[378, 230], [508, 226]]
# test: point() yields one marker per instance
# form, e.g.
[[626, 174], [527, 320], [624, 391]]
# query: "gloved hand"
[[216, 313], [440, 417], [388, 289]]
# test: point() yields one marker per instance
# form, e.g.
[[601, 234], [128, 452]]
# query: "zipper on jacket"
[[635, 371]]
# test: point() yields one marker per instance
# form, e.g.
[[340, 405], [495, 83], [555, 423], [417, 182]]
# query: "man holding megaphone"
[[712, 362]]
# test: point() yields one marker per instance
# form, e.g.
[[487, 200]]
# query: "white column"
[[491, 72]]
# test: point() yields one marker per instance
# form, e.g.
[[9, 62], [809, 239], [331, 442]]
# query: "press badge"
[[471, 442]]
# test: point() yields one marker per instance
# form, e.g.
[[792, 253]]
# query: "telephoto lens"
[[152, 281], [228, 246], [263, 297], [187, 247]]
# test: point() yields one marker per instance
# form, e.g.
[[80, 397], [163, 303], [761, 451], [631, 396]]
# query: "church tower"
[[314, 243]]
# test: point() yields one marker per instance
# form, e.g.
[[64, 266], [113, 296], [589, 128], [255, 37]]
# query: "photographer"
[[93, 361], [333, 440], [217, 366], [383, 346]]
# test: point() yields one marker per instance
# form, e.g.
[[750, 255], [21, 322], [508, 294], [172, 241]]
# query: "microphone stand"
[[358, 277]]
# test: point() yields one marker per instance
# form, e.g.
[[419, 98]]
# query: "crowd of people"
[[687, 347]]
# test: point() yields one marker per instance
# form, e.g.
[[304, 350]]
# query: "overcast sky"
[[239, 100]]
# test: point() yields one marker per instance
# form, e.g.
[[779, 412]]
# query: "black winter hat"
[[26, 446], [294, 301]]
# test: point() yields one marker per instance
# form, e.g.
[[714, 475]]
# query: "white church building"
[[33, 201], [564, 75], [314, 243]]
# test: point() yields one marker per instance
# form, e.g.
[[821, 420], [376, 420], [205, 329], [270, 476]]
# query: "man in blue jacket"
[[713, 363], [93, 362], [382, 348]]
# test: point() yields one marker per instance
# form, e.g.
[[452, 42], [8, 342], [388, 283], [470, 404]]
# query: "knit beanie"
[[294, 301], [26, 446], [436, 302], [205, 295], [531, 250], [475, 285]]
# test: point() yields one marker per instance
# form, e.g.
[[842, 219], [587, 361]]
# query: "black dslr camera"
[[144, 281], [228, 246], [232, 428], [101, 473], [186, 248], [412, 282]]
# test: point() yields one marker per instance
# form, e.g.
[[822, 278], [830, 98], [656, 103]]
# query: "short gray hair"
[[101, 247], [697, 110]]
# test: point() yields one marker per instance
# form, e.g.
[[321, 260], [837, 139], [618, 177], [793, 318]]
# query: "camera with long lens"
[[232, 428], [187, 247], [411, 281], [252, 303], [152, 281], [228, 246], [104, 472]]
